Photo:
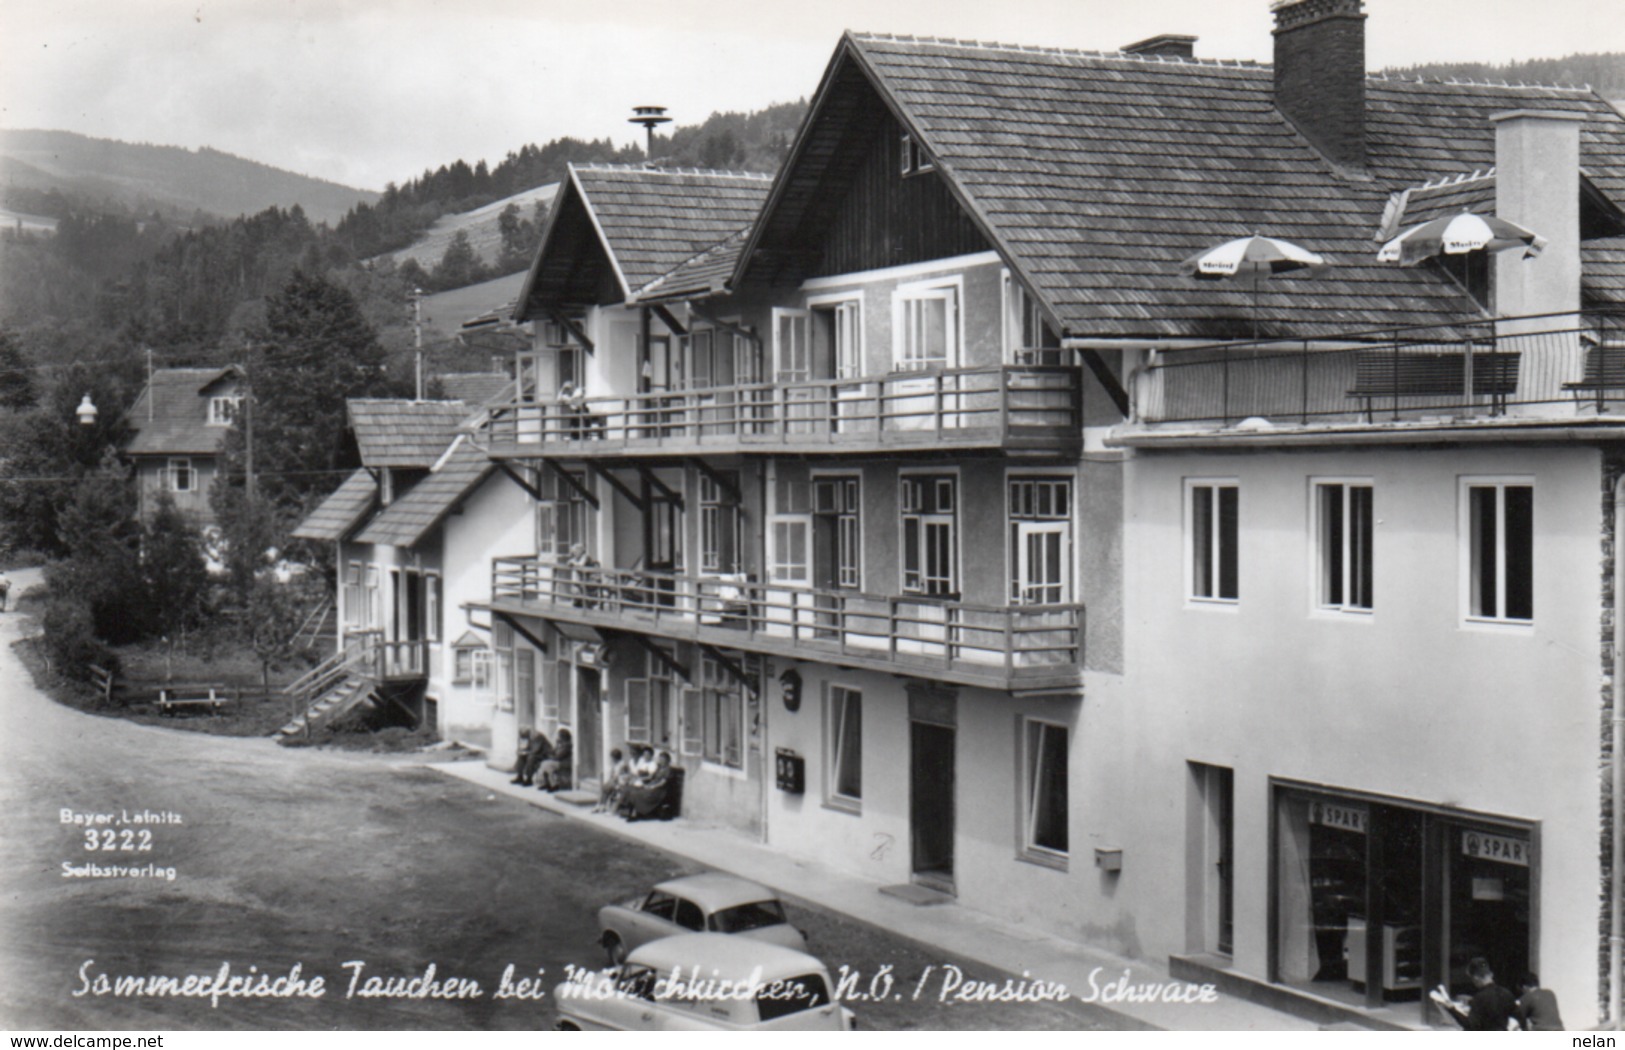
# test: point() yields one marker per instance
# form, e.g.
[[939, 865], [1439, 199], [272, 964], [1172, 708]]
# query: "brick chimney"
[[1537, 186], [1168, 45], [1320, 75]]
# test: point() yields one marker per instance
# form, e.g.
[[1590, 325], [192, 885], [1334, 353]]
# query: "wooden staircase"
[[331, 688]]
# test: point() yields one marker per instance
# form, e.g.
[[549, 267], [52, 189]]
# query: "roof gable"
[[345, 508], [171, 414], [391, 433], [405, 522]]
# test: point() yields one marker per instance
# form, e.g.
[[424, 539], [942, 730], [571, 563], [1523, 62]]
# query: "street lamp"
[[86, 412]]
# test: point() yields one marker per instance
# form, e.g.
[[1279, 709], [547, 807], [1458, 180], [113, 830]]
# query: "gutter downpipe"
[[1616, 921]]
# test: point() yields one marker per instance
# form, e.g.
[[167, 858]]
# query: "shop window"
[[1040, 541], [181, 478], [1499, 550], [843, 744], [926, 322], [1343, 529], [1044, 767], [722, 708], [930, 535], [1211, 524]]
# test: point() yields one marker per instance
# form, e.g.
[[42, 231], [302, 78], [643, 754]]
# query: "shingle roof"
[[403, 433], [1473, 192], [405, 522], [705, 274], [341, 511], [171, 415], [473, 388], [1096, 174]]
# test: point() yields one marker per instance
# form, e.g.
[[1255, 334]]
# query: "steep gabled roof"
[[1096, 174], [410, 518], [705, 274], [393, 433], [341, 511], [621, 226], [171, 415]]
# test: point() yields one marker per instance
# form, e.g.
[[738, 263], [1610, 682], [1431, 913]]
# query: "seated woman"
[[643, 761], [555, 771], [620, 775], [643, 799]]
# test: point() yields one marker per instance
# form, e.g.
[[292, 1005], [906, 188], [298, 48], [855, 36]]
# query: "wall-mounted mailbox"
[[790, 771], [1109, 858]]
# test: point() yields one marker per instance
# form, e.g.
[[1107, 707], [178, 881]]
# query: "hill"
[[172, 179], [1604, 72], [480, 224]]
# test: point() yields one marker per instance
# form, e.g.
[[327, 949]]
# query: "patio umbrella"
[[1255, 257], [1458, 235]]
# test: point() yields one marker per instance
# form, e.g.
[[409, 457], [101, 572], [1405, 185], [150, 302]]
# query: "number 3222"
[[126, 841]]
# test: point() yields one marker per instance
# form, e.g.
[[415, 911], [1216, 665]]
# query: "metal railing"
[[903, 406], [905, 629], [1549, 365]]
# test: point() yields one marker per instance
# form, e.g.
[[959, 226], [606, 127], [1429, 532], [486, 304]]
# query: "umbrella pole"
[[1257, 280]]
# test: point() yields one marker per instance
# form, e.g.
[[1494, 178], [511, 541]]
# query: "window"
[[650, 705], [926, 318], [912, 158], [223, 410], [844, 747], [1044, 765], [720, 523], [502, 642], [792, 353], [930, 540], [373, 606], [839, 336], [354, 597], [462, 665], [181, 478], [836, 536], [1028, 339], [561, 518], [1499, 550], [431, 607], [1211, 522], [790, 531], [1343, 538], [1040, 540], [722, 708]]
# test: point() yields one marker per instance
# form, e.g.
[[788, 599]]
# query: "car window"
[[744, 917], [637, 982], [689, 916], [660, 905], [792, 996]]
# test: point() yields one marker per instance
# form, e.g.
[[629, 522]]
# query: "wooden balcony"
[[1002, 407], [1023, 647], [1562, 369]]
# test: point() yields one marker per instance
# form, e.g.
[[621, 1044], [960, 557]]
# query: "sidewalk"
[[949, 927]]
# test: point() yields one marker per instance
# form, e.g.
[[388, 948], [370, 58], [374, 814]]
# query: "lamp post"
[[86, 412], [650, 117]]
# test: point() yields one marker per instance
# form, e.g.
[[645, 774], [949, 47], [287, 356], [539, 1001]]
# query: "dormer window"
[[223, 410], [914, 158]]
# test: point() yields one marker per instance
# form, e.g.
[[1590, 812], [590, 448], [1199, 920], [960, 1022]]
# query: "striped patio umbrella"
[[1458, 235], [1254, 257]]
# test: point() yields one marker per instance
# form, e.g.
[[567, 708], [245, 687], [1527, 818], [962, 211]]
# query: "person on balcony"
[[554, 773], [534, 750], [582, 570]]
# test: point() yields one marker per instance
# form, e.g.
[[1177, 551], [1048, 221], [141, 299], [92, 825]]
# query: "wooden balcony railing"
[[1556, 366], [958, 641], [968, 407]]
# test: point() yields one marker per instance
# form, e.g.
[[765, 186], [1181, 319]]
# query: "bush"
[[71, 642]]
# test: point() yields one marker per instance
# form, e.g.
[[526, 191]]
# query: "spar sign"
[[1505, 850]]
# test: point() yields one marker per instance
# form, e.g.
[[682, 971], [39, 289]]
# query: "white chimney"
[[1537, 186]]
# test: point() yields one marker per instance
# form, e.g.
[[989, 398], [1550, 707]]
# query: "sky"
[[365, 92]]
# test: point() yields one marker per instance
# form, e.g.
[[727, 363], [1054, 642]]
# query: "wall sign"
[[1343, 818], [1500, 848]]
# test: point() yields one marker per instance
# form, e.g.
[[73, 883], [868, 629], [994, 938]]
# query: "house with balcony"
[[179, 420]]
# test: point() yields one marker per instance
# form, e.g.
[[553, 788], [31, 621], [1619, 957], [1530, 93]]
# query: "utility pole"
[[417, 335], [650, 117], [148, 349]]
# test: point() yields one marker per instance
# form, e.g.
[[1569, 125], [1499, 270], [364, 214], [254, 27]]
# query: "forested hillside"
[[1603, 71]]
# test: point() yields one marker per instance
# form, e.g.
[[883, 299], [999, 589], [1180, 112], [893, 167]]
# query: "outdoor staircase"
[[336, 685], [321, 622]]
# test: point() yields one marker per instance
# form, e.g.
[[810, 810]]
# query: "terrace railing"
[[968, 405], [909, 630], [1559, 365]]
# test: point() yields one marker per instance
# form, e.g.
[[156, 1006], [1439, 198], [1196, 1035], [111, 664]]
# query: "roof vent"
[[1166, 45]]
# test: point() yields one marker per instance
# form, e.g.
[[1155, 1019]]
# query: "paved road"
[[317, 858]]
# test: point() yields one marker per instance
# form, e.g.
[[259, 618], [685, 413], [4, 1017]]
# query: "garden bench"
[[176, 697], [1423, 373], [102, 679], [1604, 370]]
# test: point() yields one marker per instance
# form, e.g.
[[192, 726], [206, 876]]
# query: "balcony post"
[[1395, 369], [1009, 640]]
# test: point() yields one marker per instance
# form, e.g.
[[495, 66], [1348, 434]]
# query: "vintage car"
[[709, 903], [704, 982]]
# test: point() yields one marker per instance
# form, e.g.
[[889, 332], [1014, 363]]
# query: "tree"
[[460, 266], [103, 566], [17, 390], [174, 569], [317, 350], [249, 526], [271, 620]]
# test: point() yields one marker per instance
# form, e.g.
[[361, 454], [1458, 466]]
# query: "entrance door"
[[931, 804], [588, 724], [662, 544], [1041, 562]]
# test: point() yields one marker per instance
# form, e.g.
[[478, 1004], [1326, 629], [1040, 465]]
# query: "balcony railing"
[[385, 660], [1553, 366], [1015, 406], [1000, 646]]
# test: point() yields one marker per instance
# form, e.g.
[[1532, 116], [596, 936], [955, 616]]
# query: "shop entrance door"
[[589, 724], [931, 804]]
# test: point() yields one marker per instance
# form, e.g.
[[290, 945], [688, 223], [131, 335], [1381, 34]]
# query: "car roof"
[[713, 890], [731, 958]]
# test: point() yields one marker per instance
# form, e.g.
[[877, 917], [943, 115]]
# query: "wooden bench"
[[172, 698], [1422, 373], [1604, 370], [102, 679]]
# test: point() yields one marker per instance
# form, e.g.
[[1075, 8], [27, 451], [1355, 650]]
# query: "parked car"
[[704, 982], [709, 903]]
